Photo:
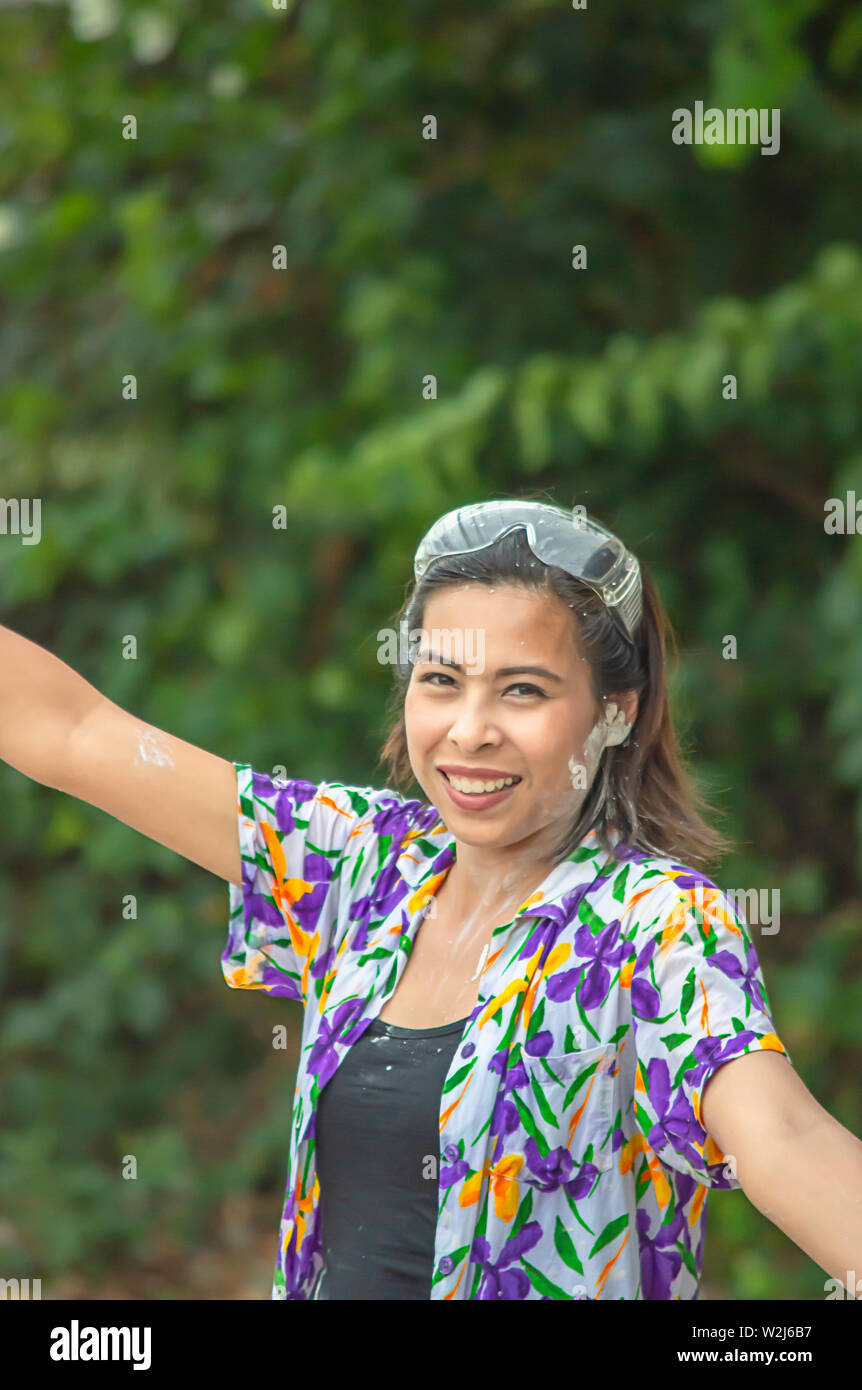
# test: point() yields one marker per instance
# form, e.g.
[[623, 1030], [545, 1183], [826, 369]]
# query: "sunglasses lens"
[[600, 565]]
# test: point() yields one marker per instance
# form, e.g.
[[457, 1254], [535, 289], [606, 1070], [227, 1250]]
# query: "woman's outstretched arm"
[[58, 729]]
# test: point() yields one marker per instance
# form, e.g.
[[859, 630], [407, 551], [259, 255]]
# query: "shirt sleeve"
[[299, 841], [698, 1000]]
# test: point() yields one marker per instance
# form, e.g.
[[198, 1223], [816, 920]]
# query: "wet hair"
[[642, 787]]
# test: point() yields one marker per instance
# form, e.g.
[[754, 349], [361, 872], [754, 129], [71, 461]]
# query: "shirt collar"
[[428, 852]]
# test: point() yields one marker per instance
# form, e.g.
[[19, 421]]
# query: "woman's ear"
[[627, 700]]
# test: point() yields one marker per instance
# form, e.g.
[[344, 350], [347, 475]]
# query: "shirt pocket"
[[570, 1103]]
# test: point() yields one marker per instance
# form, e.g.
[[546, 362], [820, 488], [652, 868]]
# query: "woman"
[[519, 995]]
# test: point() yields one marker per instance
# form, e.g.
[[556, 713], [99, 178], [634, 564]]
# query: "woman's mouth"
[[477, 794]]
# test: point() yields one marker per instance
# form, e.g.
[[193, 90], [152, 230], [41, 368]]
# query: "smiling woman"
[[515, 990], [518, 988]]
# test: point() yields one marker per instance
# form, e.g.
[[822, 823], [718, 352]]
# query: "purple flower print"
[[283, 798], [687, 878], [454, 1168], [322, 1059], [497, 1280], [604, 953], [729, 965], [627, 853], [660, 1261], [505, 1117], [392, 818], [305, 910], [322, 963], [646, 1000], [676, 1124], [555, 1170], [300, 1267]]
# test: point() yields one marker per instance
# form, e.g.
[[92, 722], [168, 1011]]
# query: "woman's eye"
[[519, 685]]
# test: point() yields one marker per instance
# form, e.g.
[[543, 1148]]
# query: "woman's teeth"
[[463, 784]]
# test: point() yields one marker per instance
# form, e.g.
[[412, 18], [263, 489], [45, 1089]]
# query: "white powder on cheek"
[[151, 749]]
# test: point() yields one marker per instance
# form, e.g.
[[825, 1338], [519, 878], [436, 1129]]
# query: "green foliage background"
[[302, 387]]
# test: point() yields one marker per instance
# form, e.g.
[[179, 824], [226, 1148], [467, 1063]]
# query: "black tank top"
[[377, 1132]]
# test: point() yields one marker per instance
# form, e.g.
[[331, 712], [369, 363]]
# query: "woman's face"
[[535, 725]]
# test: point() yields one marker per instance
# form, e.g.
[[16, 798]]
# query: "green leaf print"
[[530, 1126], [573, 1205], [426, 847], [688, 992], [643, 1119], [542, 1101], [357, 866], [584, 1020], [458, 1077], [610, 1233], [381, 953], [689, 1061], [542, 1283], [524, 1213], [589, 916], [619, 889], [643, 1180], [687, 1258], [580, 1080], [565, 1248], [456, 1256], [324, 853], [536, 1020]]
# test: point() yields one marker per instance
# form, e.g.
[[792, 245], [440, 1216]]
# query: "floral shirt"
[[573, 1162]]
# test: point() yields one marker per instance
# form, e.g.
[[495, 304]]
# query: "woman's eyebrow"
[[503, 671]]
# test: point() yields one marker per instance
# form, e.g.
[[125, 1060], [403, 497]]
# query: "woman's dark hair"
[[642, 787]]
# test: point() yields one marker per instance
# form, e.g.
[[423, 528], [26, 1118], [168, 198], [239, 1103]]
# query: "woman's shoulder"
[[377, 810], [654, 887]]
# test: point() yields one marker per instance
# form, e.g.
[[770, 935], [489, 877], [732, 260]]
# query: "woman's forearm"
[[41, 702]]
